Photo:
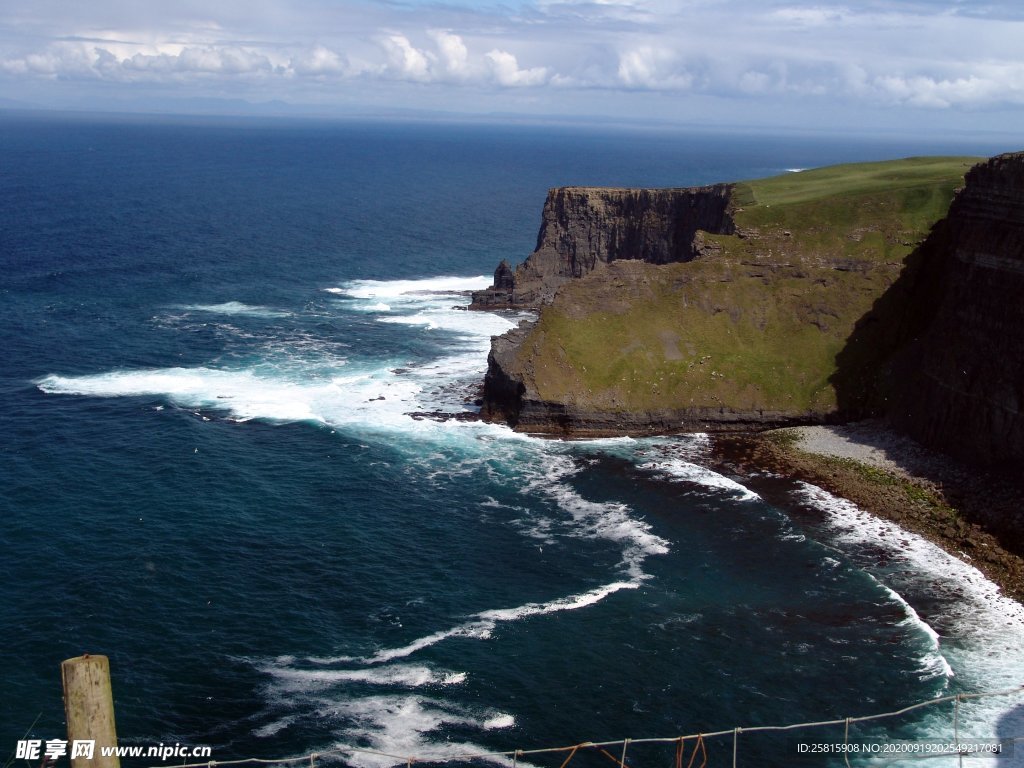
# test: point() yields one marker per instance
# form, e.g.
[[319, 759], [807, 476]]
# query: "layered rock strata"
[[959, 386], [583, 228]]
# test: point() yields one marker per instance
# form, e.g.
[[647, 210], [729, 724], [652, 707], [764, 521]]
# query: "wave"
[[479, 325], [675, 459], [301, 379], [235, 308], [386, 729], [379, 289], [428, 303], [481, 625], [681, 470], [399, 726], [607, 520], [368, 397], [933, 663], [978, 631], [382, 729], [289, 678]]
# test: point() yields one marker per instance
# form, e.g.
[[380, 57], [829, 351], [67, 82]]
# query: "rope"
[[571, 756], [699, 745], [340, 752]]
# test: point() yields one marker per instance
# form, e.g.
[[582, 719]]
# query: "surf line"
[[481, 625]]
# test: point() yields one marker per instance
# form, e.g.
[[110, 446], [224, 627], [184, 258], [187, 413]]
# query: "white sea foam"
[[606, 520], [395, 724], [481, 625], [303, 379], [978, 631], [499, 722], [290, 678], [272, 728], [675, 459], [479, 325], [682, 470], [235, 308], [400, 726], [380, 289], [370, 397], [933, 663]]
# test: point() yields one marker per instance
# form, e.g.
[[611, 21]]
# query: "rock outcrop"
[[959, 386], [584, 228], [732, 307]]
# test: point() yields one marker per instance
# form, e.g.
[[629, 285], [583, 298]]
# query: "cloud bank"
[[937, 55]]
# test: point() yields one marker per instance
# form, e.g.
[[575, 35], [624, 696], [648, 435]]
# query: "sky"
[[902, 66]]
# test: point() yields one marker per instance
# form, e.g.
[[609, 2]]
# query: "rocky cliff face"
[[959, 386], [584, 228], [762, 304]]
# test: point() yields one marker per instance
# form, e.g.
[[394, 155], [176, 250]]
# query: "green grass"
[[759, 324], [912, 492], [702, 343], [785, 439], [854, 180]]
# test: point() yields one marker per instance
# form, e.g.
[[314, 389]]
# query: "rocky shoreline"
[[966, 512]]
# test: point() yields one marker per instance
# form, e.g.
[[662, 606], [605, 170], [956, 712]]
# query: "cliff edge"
[[584, 228], [772, 302], [958, 386]]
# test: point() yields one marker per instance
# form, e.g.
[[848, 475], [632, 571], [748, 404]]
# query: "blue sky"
[[903, 66]]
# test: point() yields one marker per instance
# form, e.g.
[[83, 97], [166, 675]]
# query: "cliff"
[[958, 386], [773, 302], [584, 228]]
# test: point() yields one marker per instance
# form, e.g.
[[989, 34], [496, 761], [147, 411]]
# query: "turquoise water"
[[214, 334]]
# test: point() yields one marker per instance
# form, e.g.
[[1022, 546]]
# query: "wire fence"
[[955, 748]]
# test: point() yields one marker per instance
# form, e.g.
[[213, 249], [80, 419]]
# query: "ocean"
[[215, 332]]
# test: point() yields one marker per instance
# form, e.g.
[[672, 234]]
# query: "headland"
[[889, 291]]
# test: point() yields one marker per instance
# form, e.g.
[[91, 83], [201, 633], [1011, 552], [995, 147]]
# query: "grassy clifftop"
[[763, 320]]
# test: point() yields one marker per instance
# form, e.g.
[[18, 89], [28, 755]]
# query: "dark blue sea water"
[[213, 335]]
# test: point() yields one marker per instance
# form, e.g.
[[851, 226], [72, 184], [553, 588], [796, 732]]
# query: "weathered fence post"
[[89, 709]]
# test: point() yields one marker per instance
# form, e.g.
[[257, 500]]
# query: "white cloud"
[[317, 61], [406, 61], [454, 53], [653, 68], [222, 60], [57, 60], [809, 16], [505, 70], [999, 84], [84, 60]]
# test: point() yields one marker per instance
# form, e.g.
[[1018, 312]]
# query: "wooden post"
[[89, 708]]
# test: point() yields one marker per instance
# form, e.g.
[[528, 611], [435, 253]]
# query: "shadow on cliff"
[[879, 375], [876, 364]]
